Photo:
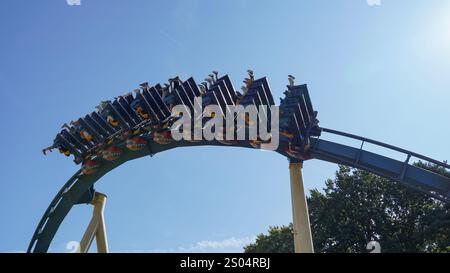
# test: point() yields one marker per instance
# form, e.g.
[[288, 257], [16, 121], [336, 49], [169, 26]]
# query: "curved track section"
[[75, 190], [408, 174], [79, 189]]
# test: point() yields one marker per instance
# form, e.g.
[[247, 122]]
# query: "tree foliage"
[[357, 207], [278, 240]]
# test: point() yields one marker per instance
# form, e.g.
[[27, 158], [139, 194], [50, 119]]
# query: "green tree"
[[279, 240], [357, 207]]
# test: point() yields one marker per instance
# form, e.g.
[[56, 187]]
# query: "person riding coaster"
[[170, 100], [298, 152], [60, 148], [112, 121], [124, 132], [81, 131], [161, 131], [64, 151], [77, 130], [285, 127], [136, 105], [175, 82], [63, 148], [146, 124], [144, 115], [107, 114]]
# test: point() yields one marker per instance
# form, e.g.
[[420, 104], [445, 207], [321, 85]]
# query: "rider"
[[137, 106], [81, 131], [106, 114]]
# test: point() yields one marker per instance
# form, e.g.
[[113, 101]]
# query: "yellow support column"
[[100, 235], [302, 229], [96, 227]]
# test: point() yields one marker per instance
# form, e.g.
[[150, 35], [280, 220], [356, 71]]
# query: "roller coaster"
[[140, 124]]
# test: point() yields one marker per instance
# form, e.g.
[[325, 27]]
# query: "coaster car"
[[171, 100], [108, 114], [285, 127], [298, 152], [208, 99], [89, 166], [136, 143], [111, 153], [137, 106], [73, 135], [84, 134], [162, 137], [65, 147], [164, 125]]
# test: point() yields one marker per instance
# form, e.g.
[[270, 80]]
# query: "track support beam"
[[302, 229], [96, 227]]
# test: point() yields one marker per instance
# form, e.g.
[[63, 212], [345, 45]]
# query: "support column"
[[302, 229], [96, 227], [100, 235]]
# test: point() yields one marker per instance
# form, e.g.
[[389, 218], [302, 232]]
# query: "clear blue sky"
[[378, 71]]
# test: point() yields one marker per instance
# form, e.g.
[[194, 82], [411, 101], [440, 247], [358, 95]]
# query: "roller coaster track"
[[431, 183], [79, 188]]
